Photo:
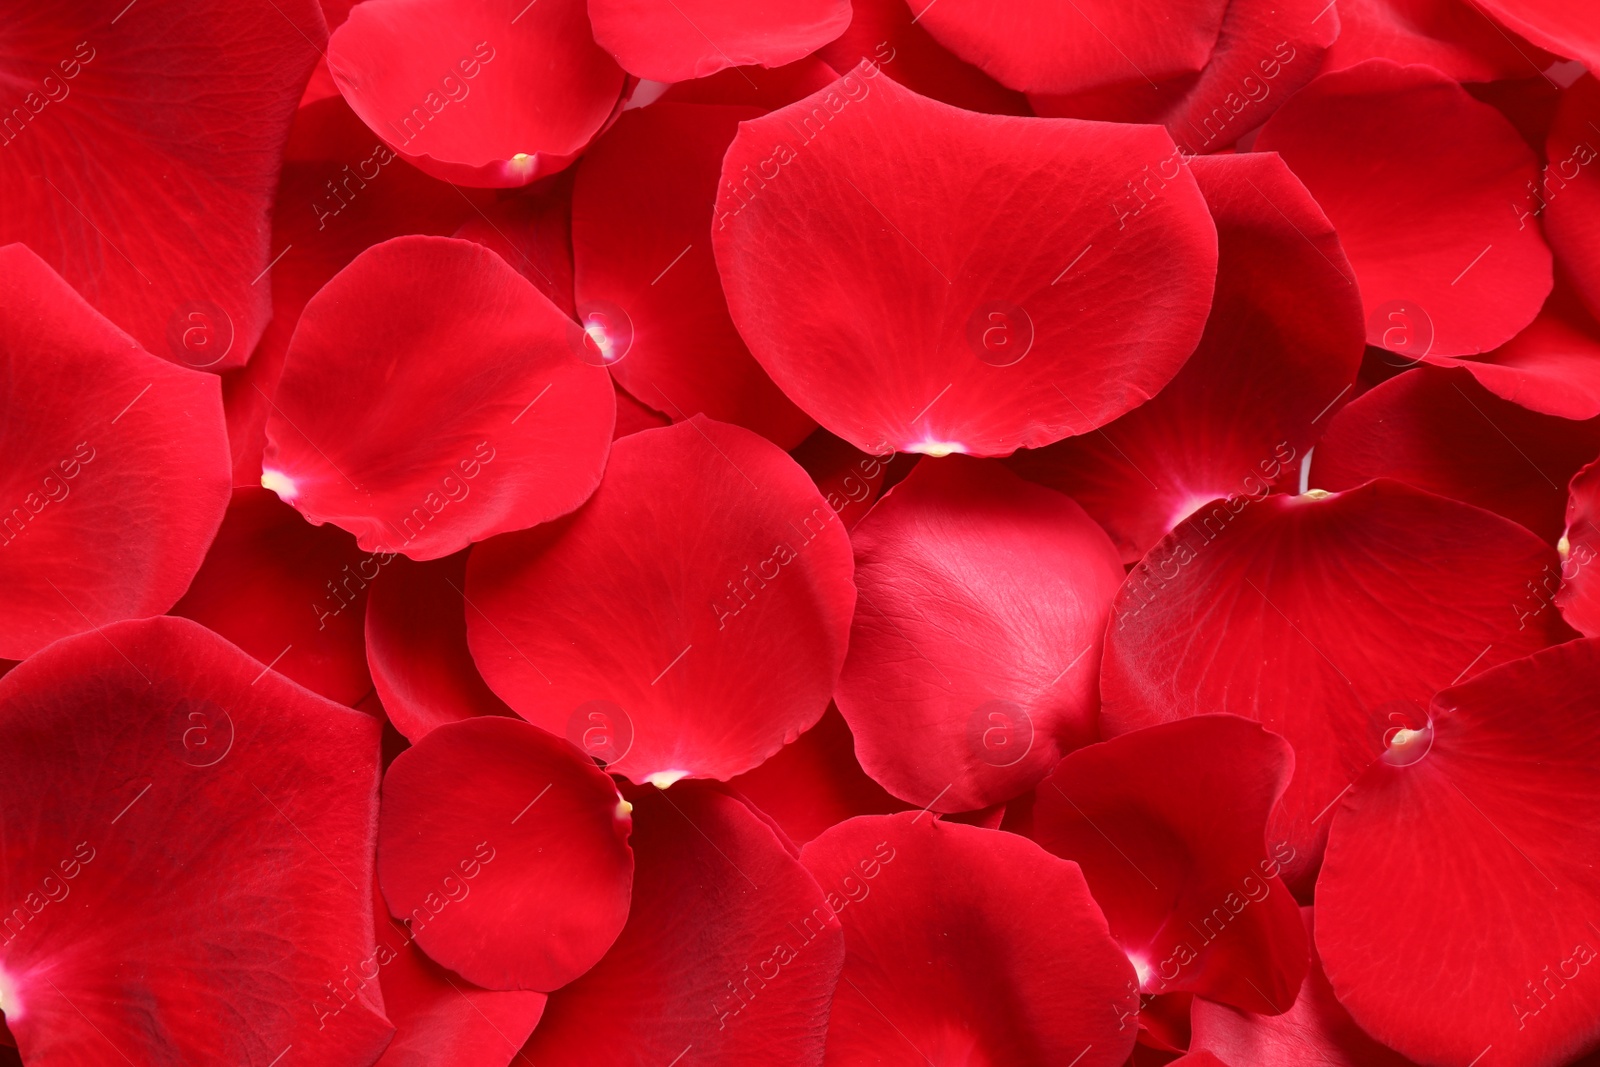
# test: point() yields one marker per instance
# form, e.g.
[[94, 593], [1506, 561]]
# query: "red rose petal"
[[416, 630], [533, 233], [1267, 51], [1416, 176], [1441, 431], [1484, 815], [1169, 827], [196, 832], [406, 413], [699, 604], [936, 328], [113, 465], [439, 1018], [1566, 27], [1281, 348], [882, 32], [966, 945], [473, 92], [815, 782], [1315, 1029], [1579, 598], [122, 171], [644, 269], [973, 654], [1453, 36], [287, 593], [756, 86], [1041, 47], [506, 852], [1568, 194], [330, 208], [675, 40], [848, 479], [633, 416], [1321, 619], [729, 948], [1206, 1059]]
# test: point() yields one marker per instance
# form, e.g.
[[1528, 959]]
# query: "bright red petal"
[[1441, 431], [1579, 598], [433, 397], [967, 946], [1417, 177], [644, 270], [1566, 27], [505, 851], [1037, 46], [1314, 1030], [1322, 617], [729, 950], [288, 593], [686, 622], [416, 630], [139, 154], [755, 86], [1281, 349], [1483, 816], [1568, 195], [1453, 36], [113, 465], [675, 40], [472, 91], [983, 603], [188, 837], [917, 324]]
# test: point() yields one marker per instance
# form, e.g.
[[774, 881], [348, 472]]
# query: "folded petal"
[[1579, 598], [674, 40], [1452, 36]]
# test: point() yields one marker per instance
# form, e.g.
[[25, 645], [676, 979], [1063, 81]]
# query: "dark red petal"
[[1441, 431], [341, 191], [113, 465], [1566, 27], [882, 32], [1314, 1030], [644, 270], [675, 40], [1267, 50], [1037, 46], [288, 593], [695, 612], [1553, 366], [633, 416], [123, 171], [942, 329], [1453, 36], [533, 233], [1321, 617], [756, 86], [441, 1019], [848, 478], [1169, 826], [1568, 194], [815, 782], [1281, 348], [506, 852], [1579, 598], [416, 631], [973, 654], [1483, 816], [473, 92], [1417, 177], [189, 837], [966, 945], [729, 949], [407, 410]]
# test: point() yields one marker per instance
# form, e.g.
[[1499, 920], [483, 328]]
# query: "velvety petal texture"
[[688, 621], [188, 838], [948, 958], [474, 91], [113, 465], [1071, 298], [674, 40], [375, 430], [1463, 826], [982, 605]]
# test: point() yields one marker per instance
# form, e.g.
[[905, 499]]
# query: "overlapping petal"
[[1579, 597], [675, 40]]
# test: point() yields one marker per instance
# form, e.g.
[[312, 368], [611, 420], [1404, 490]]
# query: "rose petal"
[[533, 233], [1566, 27], [1452, 36], [1568, 194], [699, 605], [755, 86], [1579, 598], [674, 40], [848, 479]]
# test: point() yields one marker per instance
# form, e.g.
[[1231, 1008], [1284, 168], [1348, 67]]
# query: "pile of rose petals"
[[703, 533]]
